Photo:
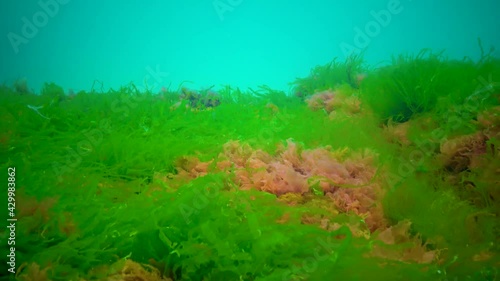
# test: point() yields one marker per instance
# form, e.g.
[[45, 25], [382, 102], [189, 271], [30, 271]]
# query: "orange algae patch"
[[346, 178], [332, 101], [123, 270], [397, 244]]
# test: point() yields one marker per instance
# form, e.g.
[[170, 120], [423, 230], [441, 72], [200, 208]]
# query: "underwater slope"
[[363, 174]]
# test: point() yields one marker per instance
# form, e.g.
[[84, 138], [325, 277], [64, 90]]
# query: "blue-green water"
[[244, 43]]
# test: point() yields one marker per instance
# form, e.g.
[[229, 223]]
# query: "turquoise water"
[[238, 42]]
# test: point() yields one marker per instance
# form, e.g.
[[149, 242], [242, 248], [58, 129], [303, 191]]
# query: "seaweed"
[[331, 75], [397, 170]]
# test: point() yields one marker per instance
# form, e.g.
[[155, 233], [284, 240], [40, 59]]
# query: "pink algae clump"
[[398, 244], [461, 153], [325, 99], [333, 101], [345, 177]]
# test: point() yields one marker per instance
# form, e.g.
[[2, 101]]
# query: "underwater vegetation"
[[330, 75], [387, 173]]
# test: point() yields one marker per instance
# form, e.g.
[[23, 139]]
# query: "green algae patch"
[[387, 173]]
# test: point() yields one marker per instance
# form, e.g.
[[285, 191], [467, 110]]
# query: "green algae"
[[100, 179]]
